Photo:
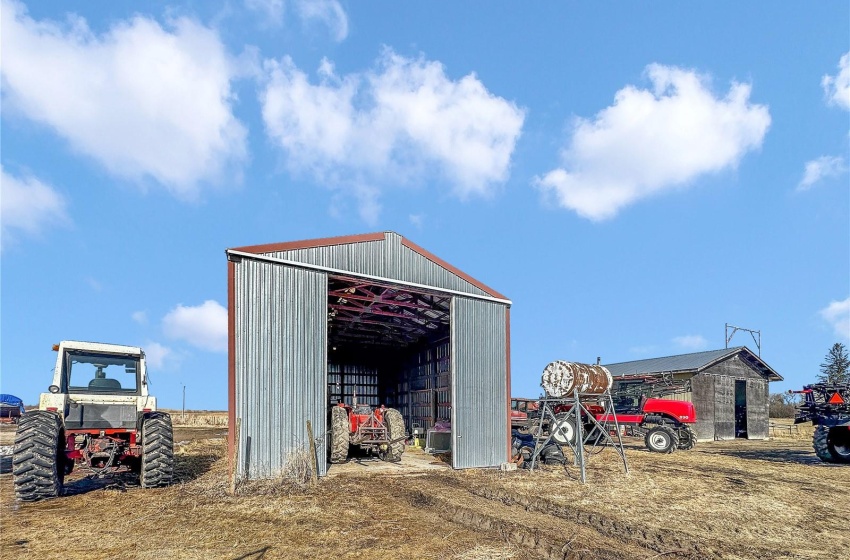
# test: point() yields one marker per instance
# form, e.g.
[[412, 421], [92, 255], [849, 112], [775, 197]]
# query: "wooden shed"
[[729, 389]]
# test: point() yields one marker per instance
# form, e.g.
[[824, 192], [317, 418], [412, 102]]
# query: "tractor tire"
[[661, 439], [832, 444], [340, 434], [395, 431], [687, 437], [157, 463], [38, 460], [563, 430]]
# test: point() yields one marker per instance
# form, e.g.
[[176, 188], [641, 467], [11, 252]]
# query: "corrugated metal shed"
[[280, 363], [478, 372], [288, 302]]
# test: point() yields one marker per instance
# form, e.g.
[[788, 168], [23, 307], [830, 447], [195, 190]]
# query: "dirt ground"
[[738, 499]]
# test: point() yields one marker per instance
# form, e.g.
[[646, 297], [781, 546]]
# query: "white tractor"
[[97, 416]]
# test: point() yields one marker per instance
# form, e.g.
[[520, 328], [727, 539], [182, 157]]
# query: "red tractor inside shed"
[[377, 431]]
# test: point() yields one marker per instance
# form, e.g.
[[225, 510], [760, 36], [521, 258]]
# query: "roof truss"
[[385, 315]]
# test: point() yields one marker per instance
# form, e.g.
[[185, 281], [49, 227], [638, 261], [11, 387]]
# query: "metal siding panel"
[[387, 258], [757, 409], [479, 383], [702, 395], [281, 379], [724, 407]]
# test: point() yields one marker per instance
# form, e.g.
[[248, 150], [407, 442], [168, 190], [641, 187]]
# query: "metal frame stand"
[[599, 435]]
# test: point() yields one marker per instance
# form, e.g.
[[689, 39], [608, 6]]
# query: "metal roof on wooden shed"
[[695, 362]]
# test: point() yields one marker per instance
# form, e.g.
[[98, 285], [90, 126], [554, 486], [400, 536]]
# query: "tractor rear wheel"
[[38, 461], [687, 437], [661, 439], [157, 464], [832, 444], [340, 435], [395, 432], [564, 429]]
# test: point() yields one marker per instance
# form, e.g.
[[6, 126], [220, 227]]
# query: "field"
[[739, 499]]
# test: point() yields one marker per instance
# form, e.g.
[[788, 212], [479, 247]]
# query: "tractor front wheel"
[[395, 433], [687, 437], [661, 439], [157, 464], [38, 461], [339, 435]]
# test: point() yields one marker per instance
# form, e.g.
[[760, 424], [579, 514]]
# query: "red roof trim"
[[310, 243], [437, 260]]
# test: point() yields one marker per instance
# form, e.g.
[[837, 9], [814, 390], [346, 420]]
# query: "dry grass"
[[785, 428], [741, 499], [198, 418]]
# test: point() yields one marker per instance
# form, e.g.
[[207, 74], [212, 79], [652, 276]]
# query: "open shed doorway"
[[740, 408], [390, 345]]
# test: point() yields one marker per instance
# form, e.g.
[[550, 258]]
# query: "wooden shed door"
[[724, 407], [757, 411], [702, 395]]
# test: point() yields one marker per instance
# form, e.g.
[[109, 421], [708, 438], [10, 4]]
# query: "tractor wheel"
[[661, 439], [38, 461], [564, 429], [339, 435], [395, 432], [157, 464], [832, 444], [687, 437]]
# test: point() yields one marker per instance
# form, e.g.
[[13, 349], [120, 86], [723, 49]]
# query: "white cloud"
[[837, 88], [203, 326], [156, 354], [402, 122], [94, 283], [649, 142], [143, 101], [28, 206], [328, 12], [141, 317], [821, 168], [691, 342], [417, 220], [271, 10], [837, 314]]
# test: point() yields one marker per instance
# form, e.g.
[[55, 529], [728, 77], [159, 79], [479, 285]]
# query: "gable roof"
[[384, 254], [695, 362]]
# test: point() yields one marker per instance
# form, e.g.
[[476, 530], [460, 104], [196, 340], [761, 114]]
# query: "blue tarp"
[[12, 400]]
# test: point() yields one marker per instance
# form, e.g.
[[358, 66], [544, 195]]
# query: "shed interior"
[[390, 344]]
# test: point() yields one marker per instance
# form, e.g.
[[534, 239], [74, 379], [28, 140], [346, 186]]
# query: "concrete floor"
[[414, 460]]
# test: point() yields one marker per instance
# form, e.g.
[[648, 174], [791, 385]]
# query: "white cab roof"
[[100, 347]]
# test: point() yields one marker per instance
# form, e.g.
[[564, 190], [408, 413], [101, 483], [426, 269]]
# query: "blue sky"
[[632, 176]]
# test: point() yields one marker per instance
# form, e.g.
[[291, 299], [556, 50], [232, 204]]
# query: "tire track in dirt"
[[547, 530], [670, 543], [519, 528]]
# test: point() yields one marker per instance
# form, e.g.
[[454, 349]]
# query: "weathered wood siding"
[[757, 409], [757, 396], [735, 368], [724, 407], [702, 395]]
